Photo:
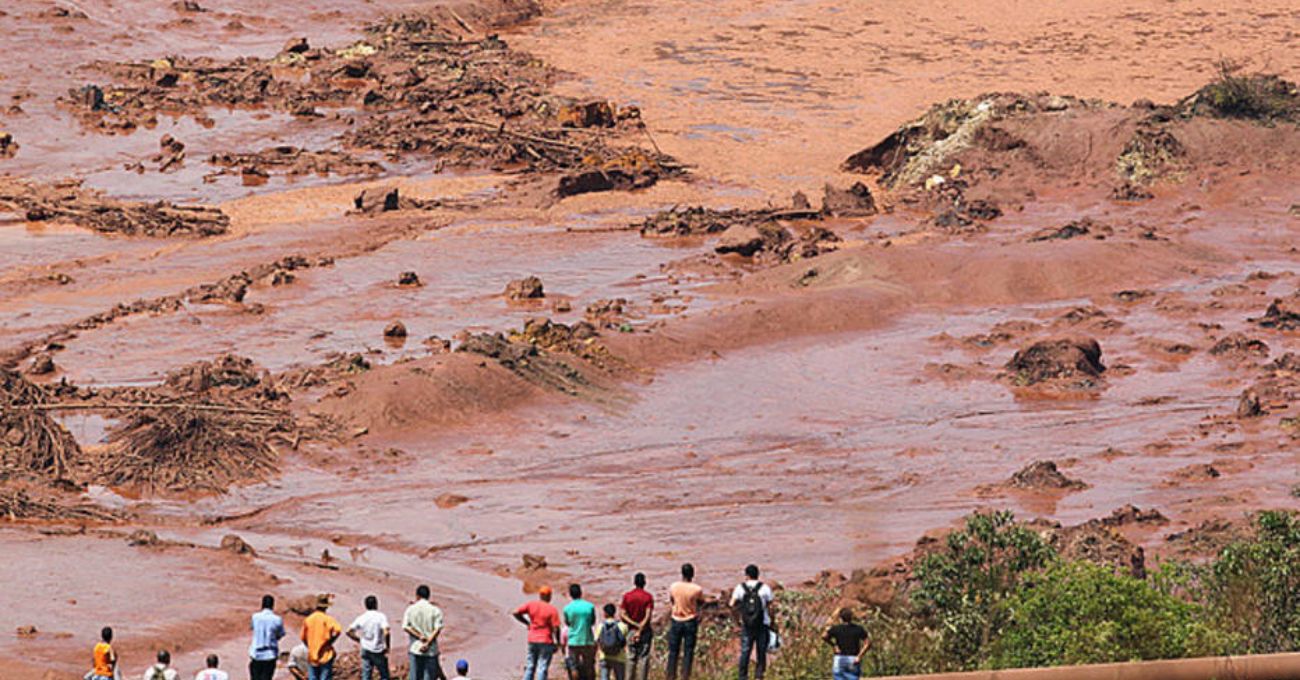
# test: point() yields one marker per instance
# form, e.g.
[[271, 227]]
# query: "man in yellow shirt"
[[319, 631]]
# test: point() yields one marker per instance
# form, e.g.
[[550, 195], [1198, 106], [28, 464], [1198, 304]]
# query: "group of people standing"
[[619, 645]]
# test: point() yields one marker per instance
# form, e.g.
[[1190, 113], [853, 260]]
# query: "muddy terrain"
[[346, 297]]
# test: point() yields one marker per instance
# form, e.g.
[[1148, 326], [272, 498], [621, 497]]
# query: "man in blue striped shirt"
[[268, 628]]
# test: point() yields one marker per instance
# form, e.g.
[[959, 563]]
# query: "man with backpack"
[[611, 645], [752, 602]]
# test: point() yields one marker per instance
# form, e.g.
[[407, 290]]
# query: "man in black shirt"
[[849, 640]]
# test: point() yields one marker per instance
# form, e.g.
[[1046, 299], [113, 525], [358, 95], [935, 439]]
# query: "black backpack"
[[612, 639], [752, 609]]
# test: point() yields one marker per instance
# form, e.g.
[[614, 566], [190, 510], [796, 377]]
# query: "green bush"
[[1254, 586], [961, 590], [1077, 612]]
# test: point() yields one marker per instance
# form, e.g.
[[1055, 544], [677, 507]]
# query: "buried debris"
[[856, 201], [8, 147], [1069, 359], [293, 161], [31, 442], [21, 504], [186, 448], [68, 201]]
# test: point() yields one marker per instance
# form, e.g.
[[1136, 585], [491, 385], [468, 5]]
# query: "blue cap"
[[462, 666]]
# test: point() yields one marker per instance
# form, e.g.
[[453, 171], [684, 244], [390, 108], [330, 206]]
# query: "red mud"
[[843, 399]]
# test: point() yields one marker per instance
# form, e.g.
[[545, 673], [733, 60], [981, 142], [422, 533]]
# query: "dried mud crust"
[[68, 201], [417, 87]]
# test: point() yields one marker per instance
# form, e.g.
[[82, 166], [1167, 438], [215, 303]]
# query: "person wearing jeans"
[[850, 642], [638, 607], [681, 642], [685, 597], [422, 623], [538, 663], [372, 632], [752, 600], [543, 623]]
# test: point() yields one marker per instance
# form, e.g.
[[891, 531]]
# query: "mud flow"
[[345, 297]]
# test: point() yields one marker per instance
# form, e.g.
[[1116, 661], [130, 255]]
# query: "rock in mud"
[[1249, 406], [1074, 229], [227, 370], [1239, 346], [447, 501], [42, 364], [527, 288], [1131, 515], [606, 312], [1043, 475], [534, 562], [856, 201], [234, 544], [742, 239], [1282, 315], [590, 114], [1129, 192], [1071, 359], [395, 329], [384, 199], [408, 279], [8, 147], [141, 537]]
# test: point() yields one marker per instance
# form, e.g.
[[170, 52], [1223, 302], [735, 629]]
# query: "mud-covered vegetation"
[[997, 593]]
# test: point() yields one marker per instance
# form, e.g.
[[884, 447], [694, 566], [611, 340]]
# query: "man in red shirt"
[[638, 606], [543, 623]]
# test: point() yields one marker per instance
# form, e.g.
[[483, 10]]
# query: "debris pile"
[[18, 503], [292, 161], [527, 288], [88, 208], [419, 89], [31, 442], [1073, 360], [1282, 314]]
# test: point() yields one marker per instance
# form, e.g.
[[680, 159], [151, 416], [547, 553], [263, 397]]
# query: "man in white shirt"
[[212, 672], [752, 601], [298, 662], [372, 632], [161, 670]]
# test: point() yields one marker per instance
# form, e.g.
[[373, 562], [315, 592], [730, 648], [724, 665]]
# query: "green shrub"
[[1077, 612], [1254, 586], [961, 589], [1258, 97]]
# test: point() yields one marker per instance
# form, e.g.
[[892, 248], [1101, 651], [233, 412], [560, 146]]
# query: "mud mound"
[[1042, 475], [31, 442], [68, 201], [1239, 347], [1063, 360], [1209, 537], [527, 361], [927, 146], [197, 447], [1100, 544], [291, 161]]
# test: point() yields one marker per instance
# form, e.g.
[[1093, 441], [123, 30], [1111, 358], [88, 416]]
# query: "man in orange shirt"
[[685, 597], [105, 657], [543, 623], [319, 631]]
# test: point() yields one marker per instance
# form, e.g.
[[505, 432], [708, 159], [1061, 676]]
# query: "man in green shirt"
[[580, 617]]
